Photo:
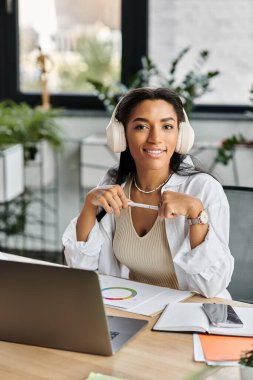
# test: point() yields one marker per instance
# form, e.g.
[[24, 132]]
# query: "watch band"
[[201, 219]]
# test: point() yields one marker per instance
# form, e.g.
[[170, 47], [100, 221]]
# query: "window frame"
[[134, 46], [134, 25]]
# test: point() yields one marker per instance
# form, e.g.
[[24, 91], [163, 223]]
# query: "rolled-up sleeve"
[[79, 254], [209, 266]]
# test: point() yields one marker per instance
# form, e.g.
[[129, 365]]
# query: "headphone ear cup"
[[116, 139], [185, 138]]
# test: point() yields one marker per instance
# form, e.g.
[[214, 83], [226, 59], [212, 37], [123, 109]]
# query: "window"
[[71, 44], [223, 27], [67, 43]]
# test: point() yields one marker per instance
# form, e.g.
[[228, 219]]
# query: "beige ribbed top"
[[148, 257]]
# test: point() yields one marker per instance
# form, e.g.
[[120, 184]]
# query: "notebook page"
[[183, 317]]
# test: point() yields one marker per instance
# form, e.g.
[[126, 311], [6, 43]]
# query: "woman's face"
[[151, 133]]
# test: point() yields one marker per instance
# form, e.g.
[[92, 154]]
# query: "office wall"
[[223, 27]]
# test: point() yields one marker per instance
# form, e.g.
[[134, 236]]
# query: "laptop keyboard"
[[114, 334]]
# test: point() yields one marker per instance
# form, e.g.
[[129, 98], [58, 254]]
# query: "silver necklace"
[[151, 191]]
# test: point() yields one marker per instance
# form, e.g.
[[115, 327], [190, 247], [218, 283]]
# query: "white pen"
[[133, 204]]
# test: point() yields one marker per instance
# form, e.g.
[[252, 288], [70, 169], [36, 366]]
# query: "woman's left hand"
[[174, 204]]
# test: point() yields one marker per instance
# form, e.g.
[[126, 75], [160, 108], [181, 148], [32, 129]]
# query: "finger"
[[105, 205], [166, 211], [103, 199], [124, 200], [119, 194], [170, 214], [118, 200], [111, 199]]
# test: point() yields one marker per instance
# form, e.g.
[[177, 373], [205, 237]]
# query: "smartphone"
[[222, 315]]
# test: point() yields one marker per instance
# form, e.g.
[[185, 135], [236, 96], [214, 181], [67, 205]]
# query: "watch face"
[[203, 217]]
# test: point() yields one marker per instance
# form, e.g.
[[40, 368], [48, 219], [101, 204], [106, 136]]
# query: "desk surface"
[[149, 355]]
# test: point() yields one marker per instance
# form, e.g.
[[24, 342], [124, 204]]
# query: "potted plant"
[[246, 365], [193, 85], [19, 123], [226, 151], [33, 128], [38, 132]]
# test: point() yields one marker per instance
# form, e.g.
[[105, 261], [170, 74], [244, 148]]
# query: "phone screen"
[[222, 315]]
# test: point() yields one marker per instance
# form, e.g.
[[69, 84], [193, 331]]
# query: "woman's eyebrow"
[[146, 120], [140, 119], [168, 119]]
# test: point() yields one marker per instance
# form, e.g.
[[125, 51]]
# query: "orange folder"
[[224, 348]]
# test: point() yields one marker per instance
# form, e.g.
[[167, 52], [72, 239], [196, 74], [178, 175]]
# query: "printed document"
[[138, 297]]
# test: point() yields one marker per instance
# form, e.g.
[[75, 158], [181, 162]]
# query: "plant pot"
[[95, 159], [11, 172], [246, 372], [40, 171], [240, 167]]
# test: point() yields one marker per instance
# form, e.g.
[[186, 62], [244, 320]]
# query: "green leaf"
[[226, 152], [247, 358], [19, 123], [193, 85]]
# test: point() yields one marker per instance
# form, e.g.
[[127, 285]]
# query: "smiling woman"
[[172, 244]]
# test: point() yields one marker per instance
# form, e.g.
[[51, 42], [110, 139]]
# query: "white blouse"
[[206, 269]]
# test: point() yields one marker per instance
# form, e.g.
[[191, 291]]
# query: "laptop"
[[59, 307]]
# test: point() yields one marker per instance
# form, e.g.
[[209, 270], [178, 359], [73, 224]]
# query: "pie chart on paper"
[[117, 293]]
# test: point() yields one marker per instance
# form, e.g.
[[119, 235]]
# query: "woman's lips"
[[154, 152]]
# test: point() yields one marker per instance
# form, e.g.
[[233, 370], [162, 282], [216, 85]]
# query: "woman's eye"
[[168, 126], [140, 127]]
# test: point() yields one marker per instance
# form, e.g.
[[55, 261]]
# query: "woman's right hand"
[[110, 197]]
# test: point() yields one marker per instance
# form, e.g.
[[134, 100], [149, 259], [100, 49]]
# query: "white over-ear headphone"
[[116, 139], [186, 136]]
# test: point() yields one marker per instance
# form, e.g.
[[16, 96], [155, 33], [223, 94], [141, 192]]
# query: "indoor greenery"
[[194, 84], [227, 149], [247, 358], [13, 214], [19, 123]]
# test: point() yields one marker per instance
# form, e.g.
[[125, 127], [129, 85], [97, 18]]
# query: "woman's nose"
[[154, 135]]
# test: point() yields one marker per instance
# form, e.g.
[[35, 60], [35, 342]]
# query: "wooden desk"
[[148, 356]]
